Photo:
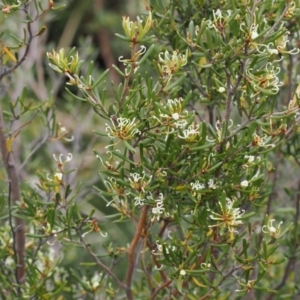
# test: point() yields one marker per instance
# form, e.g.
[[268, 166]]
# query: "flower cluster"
[[46, 261], [93, 227], [265, 80], [261, 141], [160, 247], [131, 63], [138, 182], [173, 117], [170, 64], [55, 181], [249, 161], [123, 128], [175, 108], [114, 187], [94, 282], [219, 20], [246, 286], [109, 164], [229, 217], [135, 31], [281, 45], [197, 186], [190, 134], [159, 208], [62, 63]]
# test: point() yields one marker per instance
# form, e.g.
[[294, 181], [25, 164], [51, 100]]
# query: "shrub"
[[200, 148]]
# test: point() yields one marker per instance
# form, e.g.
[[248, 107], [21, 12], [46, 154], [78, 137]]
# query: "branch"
[[33, 151], [98, 261], [273, 28], [131, 251], [161, 287], [23, 58], [14, 196]]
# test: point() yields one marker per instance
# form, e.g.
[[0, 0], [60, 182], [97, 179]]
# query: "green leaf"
[[100, 79], [175, 83], [129, 147]]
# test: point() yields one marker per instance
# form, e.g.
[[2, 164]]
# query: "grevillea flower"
[[123, 128], [229, 217]]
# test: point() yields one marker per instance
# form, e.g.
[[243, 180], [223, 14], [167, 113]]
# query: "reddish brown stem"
[[14, 195], [131, 250], [164, 285]]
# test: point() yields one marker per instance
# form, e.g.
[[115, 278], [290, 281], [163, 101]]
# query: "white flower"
[[58, 176], [123, 128], [171, 62], [197, 185], [211, 184], [60, 275], [205, 265], [182, 272], [59, 160], [221, 89], [265, 78], [159, 209], [96, 280], [159, 246], [139, 201], [269, 48], [136, 177], [281, 45], [49, 285], [271, 230], [246, 287], [9, 261], [138, 182], [229, 216], [244, 183], [253, 31], [250, 158], [219, 21], [109, 164], [176, 116], [181, 124], [272, 51], [190, 134]]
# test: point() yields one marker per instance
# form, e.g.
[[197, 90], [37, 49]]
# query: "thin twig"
[[270, 31], [28, 44], [161, 287], [32, 152], [98, 261], [157, 264], [229, 274]]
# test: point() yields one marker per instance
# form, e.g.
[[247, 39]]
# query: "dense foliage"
[[188, 186]]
